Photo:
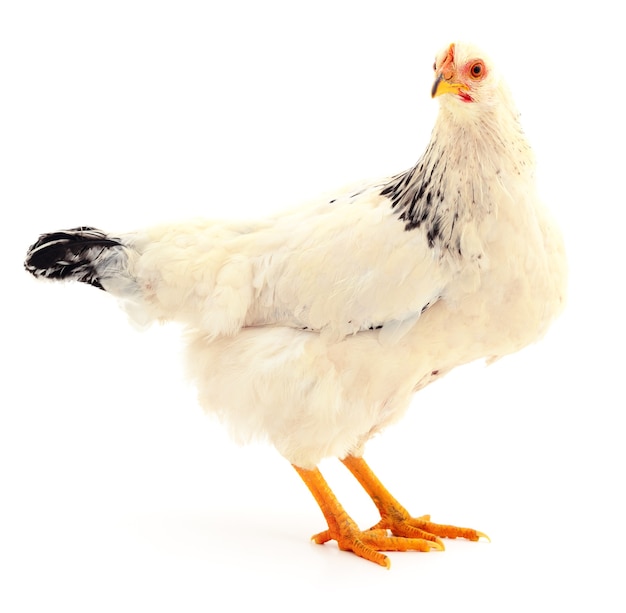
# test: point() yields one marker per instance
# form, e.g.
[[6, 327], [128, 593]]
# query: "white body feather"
[[283, 314]]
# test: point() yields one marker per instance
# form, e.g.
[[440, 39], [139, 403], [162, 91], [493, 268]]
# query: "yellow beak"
[[441, 86]]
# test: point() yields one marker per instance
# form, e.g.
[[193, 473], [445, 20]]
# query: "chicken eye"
[[476, 70], [435, 65]]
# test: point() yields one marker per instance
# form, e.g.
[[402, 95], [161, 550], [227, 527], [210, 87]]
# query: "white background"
[[117, 493]]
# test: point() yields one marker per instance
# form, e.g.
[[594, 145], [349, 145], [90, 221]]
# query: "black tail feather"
[[69, 254]]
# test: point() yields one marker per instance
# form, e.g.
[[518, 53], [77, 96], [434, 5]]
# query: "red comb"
[[448, 63]]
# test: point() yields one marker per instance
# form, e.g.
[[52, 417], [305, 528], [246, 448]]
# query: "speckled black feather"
[[418, 194], [69, 254]]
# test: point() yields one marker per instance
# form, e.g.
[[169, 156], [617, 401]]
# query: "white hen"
[[313, 329]]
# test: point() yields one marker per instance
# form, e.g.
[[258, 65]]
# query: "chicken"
[[313, 329]]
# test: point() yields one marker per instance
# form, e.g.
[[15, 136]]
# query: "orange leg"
[[342, 528], [395, 517]]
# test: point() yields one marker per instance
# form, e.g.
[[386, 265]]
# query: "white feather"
[[279, 311]]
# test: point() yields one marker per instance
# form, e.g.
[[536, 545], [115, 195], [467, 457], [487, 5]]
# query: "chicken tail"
[[161, 274], [81, 254]]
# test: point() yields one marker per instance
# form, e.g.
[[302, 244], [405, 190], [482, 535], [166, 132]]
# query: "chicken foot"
[[366, 544], [396, 518]]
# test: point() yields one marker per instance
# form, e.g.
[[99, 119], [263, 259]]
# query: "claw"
[[437, 545], [322, 537], [483, 536]]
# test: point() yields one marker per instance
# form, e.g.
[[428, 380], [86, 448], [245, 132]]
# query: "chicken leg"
[[407, 533]]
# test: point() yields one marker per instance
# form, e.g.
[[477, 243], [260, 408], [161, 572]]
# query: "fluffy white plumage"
[[314, 328]]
